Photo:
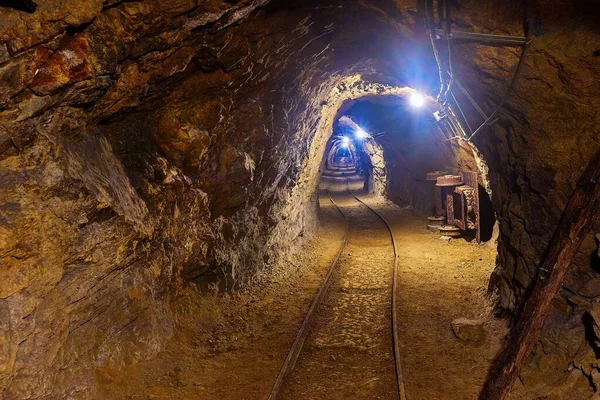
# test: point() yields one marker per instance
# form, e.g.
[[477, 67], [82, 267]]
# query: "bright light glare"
[[361, 134], [345, 141], [417, 99]]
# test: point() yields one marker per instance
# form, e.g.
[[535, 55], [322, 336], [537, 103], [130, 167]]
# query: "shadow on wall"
[[487, 216], [411, 148], [595, 257]]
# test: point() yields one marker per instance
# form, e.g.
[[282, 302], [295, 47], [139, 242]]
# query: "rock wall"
[[376, 181], [545, 135], [145, 146]]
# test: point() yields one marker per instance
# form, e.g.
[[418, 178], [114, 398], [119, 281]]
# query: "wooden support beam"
[[581, 211]]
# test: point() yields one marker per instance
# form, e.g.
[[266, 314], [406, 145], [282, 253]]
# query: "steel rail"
[[294, 353], [395, 335]]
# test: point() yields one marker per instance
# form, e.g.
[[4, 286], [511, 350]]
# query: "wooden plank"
[[579, 215]]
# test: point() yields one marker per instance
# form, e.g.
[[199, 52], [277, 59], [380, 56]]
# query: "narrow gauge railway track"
[[294, 353], [395, 334], [302, 334]]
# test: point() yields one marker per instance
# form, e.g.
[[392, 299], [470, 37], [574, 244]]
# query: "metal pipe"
[[514, 78], [468, 96], [483, 37], [461, 112], [449, 44], [431, 27]]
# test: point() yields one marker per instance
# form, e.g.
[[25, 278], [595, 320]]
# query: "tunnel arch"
[[348, 88], [367, 154], [352, 89], [338, 151]]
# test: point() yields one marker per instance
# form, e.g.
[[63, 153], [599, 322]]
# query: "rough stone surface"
[[147, 146], [544, 137]]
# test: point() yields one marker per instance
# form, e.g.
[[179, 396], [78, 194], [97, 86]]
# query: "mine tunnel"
[[284, 199]]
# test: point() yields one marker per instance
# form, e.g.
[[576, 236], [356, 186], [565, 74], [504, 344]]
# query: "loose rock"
[[469, 330]]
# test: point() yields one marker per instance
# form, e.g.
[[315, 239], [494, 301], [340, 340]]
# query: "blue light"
[[417, 99], [360, 133]]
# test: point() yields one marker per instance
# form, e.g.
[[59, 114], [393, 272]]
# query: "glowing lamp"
[[360, 133], [417, 99]]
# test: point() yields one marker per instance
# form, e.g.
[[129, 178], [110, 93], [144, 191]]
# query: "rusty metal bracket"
[[457, 197]]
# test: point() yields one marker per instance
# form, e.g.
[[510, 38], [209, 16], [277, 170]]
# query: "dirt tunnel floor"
[[439, 282], [232, 347]]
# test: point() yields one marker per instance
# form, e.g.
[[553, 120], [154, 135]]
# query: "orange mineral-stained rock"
[[68, 65]]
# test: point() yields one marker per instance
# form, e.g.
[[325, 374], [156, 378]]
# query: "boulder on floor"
[[469, 330]]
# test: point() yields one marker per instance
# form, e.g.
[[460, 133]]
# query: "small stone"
[[446, 239], [33, 105], [469, 330], [584, 356], [579, 302], [591, 288], [82, 220]]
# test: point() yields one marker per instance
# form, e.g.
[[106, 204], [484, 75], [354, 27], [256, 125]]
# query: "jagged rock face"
[[544, 137], [545, 134], [377, 176], [147, 145]]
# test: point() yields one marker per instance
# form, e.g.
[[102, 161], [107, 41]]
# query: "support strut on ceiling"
[[470, 98], [482, 37], [450, 36]]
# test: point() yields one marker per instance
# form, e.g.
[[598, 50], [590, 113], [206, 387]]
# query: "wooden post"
[[581, 211]]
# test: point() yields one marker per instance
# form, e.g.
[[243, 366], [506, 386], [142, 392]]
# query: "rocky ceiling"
[[147, 145]]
